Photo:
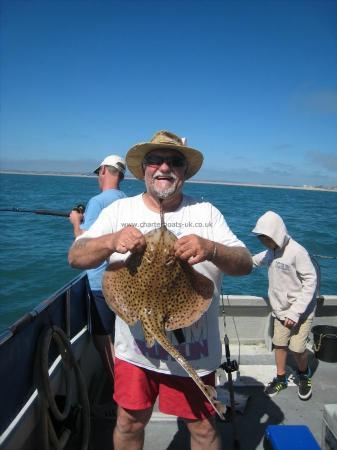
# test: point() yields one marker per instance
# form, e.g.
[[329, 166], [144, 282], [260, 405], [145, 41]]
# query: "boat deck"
[[246, 322], [255, 410]]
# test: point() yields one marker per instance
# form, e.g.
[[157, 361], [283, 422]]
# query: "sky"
[[251, 84]]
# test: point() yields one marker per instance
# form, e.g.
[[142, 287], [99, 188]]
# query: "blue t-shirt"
[[92, 211]]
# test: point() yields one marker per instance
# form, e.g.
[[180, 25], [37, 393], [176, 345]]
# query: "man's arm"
[[86, 253], [235, 260], [232, 260]]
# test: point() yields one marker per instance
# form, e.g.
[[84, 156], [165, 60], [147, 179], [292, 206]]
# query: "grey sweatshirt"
[[292, 276]]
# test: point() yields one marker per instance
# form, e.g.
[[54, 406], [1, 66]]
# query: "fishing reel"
[[230, 366], [79, 208]]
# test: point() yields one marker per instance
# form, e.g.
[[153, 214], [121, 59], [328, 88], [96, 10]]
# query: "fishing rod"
[[46, 212], [229, 367]]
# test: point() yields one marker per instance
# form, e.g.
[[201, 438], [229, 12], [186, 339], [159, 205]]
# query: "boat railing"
[[66, 309], [41, 307]]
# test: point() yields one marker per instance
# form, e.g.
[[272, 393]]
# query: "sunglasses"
[[172, 161]]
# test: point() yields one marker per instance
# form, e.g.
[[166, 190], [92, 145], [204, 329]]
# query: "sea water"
[[33, 258]]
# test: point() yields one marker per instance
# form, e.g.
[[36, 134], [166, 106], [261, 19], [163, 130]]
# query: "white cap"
[[113, 161]]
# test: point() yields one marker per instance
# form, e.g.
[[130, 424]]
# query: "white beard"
[[165, 193]]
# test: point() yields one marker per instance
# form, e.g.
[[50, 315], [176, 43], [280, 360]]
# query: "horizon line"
[[217, 182]]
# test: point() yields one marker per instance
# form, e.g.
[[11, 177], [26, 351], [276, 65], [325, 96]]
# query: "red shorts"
[[137, 388]]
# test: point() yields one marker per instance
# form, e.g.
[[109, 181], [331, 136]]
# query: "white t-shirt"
[[202, 346]]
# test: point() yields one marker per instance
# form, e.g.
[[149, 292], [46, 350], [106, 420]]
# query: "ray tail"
[[162, 223], [206, 390]]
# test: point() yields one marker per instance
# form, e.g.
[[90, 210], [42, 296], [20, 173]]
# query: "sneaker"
[[304, 386], [275, 386]]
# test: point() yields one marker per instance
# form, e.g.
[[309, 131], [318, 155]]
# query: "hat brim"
[[96, 171], [135, 157]]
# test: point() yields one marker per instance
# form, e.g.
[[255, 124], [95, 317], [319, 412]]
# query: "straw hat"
[[163, 140]]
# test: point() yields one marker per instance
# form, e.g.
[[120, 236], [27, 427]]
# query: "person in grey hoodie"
[[292, 296]]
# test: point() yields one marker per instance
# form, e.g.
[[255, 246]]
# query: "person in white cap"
[[292, 296], [101, 319], [205, 241]]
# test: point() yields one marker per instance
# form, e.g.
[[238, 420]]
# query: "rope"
[[321, 337], [67, 359], [46, 394]]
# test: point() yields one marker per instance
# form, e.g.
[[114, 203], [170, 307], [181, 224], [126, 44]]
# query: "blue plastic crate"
[[291, 437]]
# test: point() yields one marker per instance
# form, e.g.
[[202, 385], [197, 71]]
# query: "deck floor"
[[167, 433]]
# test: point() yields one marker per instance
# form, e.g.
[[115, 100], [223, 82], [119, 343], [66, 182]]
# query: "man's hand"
[[128, 239], [75, 218], [193, 249]]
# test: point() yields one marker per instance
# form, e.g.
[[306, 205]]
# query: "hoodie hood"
[[272, 225]]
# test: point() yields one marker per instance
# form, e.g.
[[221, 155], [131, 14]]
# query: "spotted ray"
[[164, 293]]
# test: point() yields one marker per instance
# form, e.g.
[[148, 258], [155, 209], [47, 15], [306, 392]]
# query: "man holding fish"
[[167, 253]]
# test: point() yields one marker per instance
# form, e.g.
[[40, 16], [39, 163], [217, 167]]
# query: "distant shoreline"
[[224, 183]]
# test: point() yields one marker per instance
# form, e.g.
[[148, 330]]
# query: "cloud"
[[250, 175], [283, 147], [320, 101], [280, 173], [38, 165], [327, 161]]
